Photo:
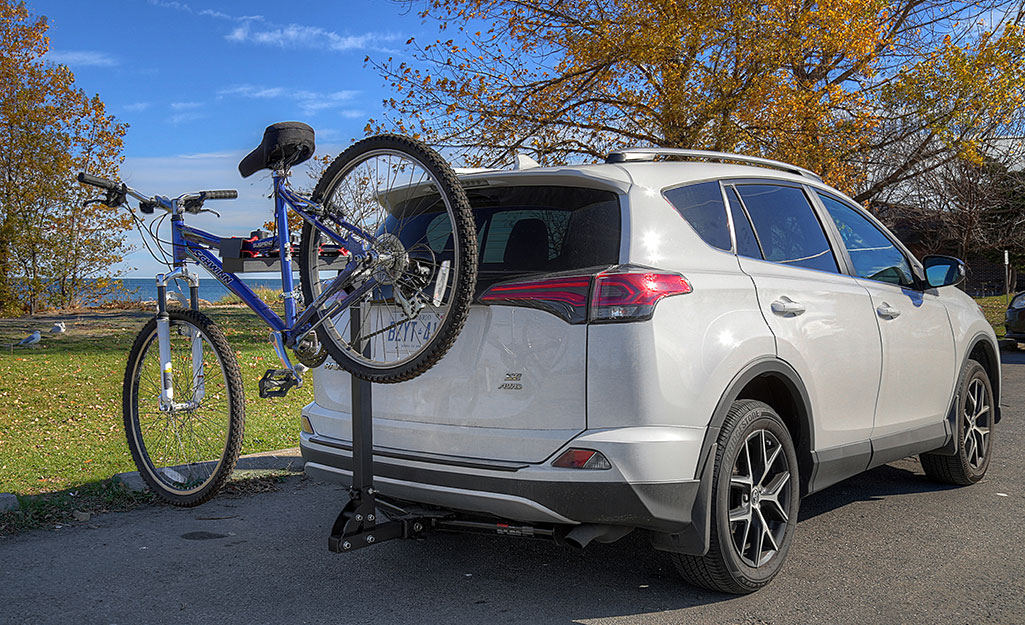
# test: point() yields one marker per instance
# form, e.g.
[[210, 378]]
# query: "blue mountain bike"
[[387, 263]]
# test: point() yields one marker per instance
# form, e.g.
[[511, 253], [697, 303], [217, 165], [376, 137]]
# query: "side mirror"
[[943, 271]]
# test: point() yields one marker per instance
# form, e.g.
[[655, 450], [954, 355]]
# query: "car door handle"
[[787, 307], [887, 312]]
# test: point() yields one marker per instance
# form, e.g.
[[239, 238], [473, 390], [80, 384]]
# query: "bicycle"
[[388, 239]]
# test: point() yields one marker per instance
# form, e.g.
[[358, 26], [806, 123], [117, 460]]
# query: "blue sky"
[[198, 81]]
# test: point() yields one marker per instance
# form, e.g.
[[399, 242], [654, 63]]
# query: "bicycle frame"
[[192, 244]]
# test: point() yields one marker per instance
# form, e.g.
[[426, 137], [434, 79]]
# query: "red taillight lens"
[[621, 294], [582, 459], [564, 296], [632, 296]]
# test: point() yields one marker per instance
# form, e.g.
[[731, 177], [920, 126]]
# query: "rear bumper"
[[539, 493]]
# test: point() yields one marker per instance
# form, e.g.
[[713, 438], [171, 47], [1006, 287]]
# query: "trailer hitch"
[[358, 524]]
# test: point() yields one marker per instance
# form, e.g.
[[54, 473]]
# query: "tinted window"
[[873, 254], [524, 229], [702, 206], [747, 244], [787, 227]]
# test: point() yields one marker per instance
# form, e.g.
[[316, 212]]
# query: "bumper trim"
[[386, 452], [663, 506]]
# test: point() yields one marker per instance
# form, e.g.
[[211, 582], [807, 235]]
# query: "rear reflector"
[[582, 459], [624, 293]]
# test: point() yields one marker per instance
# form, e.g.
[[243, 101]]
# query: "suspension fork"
[[167, 399]]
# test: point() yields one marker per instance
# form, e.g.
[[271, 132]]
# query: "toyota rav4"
[[684, 343]]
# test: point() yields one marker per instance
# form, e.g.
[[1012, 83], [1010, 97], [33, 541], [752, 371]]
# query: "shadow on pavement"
[[872, 485]]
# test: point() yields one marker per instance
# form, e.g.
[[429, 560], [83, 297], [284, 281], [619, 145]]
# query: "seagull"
[[31, 339], [58, 328]]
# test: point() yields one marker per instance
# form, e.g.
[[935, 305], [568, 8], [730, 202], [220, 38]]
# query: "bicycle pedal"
[[277, 383]]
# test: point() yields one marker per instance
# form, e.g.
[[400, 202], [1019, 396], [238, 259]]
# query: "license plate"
[[412, 334]]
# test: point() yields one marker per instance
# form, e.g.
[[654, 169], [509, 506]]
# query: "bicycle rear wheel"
[[418, 289], [186, 453]]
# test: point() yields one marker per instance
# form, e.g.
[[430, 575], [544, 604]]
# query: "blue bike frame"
[[191, 243]]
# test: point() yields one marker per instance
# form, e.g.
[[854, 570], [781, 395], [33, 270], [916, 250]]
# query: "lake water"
[[209, 289]]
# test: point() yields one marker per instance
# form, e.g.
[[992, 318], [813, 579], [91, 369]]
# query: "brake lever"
[[208, 210]]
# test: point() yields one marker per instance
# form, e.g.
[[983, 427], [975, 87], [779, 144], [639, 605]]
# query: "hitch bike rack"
[[360, 525]]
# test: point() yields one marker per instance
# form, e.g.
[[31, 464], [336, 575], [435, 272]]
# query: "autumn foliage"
[[53, 251], [870, 93]]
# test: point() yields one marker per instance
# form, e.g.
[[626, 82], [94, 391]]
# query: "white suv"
[[669, 343]]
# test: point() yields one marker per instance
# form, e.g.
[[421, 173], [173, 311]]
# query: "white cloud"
[[188, 116], [251, 91], [311, 37], [186, 106], [82, 58], [136, 107], [309, 102]]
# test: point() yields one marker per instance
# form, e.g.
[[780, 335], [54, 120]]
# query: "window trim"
[[747, 215]]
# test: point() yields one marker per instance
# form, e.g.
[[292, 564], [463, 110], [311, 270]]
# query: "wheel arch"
[[982, 349], [776, 383]]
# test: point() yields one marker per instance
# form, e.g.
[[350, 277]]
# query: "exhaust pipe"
[[581, 535]]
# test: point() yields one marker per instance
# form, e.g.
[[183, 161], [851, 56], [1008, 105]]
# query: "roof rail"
[[649, 154]]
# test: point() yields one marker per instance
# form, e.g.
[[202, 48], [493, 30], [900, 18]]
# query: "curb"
[[9, 501], [278, 460]]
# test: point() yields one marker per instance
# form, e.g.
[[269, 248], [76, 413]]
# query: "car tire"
[[755, 501], [974, 432]]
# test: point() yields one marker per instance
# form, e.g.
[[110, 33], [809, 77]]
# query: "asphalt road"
[[885, 547]]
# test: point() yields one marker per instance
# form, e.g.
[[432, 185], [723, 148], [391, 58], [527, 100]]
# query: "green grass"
[[60, 403], [994, 307]]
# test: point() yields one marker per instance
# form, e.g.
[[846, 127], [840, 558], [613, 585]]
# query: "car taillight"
[[620, 294], [563, 296], [631, 296]]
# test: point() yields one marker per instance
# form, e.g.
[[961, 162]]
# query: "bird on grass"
[[29, 340], [58, 328]]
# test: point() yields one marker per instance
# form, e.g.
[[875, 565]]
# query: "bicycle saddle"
[[284, 144]]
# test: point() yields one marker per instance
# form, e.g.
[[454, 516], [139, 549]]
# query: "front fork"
[[167, 399]]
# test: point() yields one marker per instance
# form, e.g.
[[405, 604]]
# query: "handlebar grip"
[[227, 194], [96, 181]]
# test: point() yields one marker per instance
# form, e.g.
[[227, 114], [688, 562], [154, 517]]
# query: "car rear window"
[[525, 229]]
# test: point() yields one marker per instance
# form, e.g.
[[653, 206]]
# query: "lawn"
[[994, 308], [60, 402]]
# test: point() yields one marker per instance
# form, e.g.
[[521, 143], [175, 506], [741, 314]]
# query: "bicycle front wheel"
[[186, 451], [402, 202]]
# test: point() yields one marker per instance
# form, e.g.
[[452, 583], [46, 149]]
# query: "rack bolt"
[[417, 527], [370, 539], [359, 517], [346, 545], [370, 517]]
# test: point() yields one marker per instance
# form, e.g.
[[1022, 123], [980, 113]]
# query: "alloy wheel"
[[760, 492]]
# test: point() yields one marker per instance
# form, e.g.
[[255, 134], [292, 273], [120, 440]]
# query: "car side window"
[[873, 254], [747, 243], [787, 229], [702, 206]]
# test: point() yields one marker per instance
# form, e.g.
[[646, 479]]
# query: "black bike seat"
[[284, 144]]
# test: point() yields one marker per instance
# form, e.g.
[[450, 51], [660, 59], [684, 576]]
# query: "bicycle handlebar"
[[190, 202], [225, 194], [96, 181]]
